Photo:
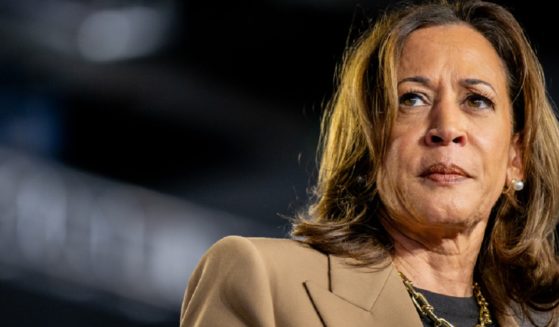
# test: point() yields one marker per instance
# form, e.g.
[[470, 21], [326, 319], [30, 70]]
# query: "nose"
[[446, 125]]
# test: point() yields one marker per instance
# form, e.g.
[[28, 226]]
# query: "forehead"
[[456, 48]]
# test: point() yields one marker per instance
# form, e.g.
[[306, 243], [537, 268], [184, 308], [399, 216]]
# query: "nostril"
[[436, 139], [458, 140]]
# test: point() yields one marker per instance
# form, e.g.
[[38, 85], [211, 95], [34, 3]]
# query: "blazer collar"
[[367, 296]]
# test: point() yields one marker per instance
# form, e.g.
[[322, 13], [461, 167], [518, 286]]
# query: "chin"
[[454, 218]]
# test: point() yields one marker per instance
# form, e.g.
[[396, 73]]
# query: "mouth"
[[445, 174]]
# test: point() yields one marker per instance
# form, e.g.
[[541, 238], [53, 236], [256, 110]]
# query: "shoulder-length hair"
[[518, 260]]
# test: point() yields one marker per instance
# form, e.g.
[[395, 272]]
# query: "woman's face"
[[451, 149]]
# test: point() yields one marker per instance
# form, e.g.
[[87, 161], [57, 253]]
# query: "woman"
[[436, 203]]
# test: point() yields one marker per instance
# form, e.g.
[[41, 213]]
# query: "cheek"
[[395, 158], [387, 173], [404, 150], [397, 167], [493, 154], [494, 149], [396, 179], [404, 147]]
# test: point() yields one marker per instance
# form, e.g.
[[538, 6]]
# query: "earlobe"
[[516, 164]]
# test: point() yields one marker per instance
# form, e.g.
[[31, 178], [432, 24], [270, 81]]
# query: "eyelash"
[[411, 94], [472, 96], [478, 96]]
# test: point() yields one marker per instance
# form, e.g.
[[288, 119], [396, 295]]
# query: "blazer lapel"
[[369, 296]]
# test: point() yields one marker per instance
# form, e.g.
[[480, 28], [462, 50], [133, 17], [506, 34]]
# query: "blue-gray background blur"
[[134, 134]]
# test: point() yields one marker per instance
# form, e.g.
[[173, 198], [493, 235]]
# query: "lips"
[[445, 174]]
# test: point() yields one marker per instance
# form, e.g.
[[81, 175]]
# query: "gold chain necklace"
[[428, 311]]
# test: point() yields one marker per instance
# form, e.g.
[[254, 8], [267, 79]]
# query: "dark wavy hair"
[[518, 261]]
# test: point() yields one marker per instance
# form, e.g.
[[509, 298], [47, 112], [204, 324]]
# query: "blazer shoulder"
[[278, 248], [274, 270], [278, 256]]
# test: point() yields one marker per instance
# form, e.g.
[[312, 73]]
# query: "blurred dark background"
[[134, 134]]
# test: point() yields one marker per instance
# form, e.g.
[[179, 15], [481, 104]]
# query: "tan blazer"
[[279, 282]]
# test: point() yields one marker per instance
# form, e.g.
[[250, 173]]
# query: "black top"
[[459, 311]]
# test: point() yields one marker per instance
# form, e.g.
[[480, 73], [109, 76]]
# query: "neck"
[[440, 263]]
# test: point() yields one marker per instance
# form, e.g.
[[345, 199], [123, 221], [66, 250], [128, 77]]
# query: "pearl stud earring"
[[517, 184]]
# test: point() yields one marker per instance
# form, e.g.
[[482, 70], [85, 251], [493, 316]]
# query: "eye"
[[412, 99], [479, 101]]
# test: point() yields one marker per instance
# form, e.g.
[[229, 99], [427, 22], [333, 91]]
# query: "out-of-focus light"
[[103, 235], [41, 216], [111, 35]]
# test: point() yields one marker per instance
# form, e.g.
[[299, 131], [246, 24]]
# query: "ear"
[[515, 166]]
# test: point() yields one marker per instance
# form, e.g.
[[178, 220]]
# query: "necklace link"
[[427, 310]]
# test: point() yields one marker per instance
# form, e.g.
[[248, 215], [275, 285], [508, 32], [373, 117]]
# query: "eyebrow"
[[466, 82], [417, 79], [474, 81]]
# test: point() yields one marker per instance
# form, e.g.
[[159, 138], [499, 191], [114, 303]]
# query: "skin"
[[451, 153]]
